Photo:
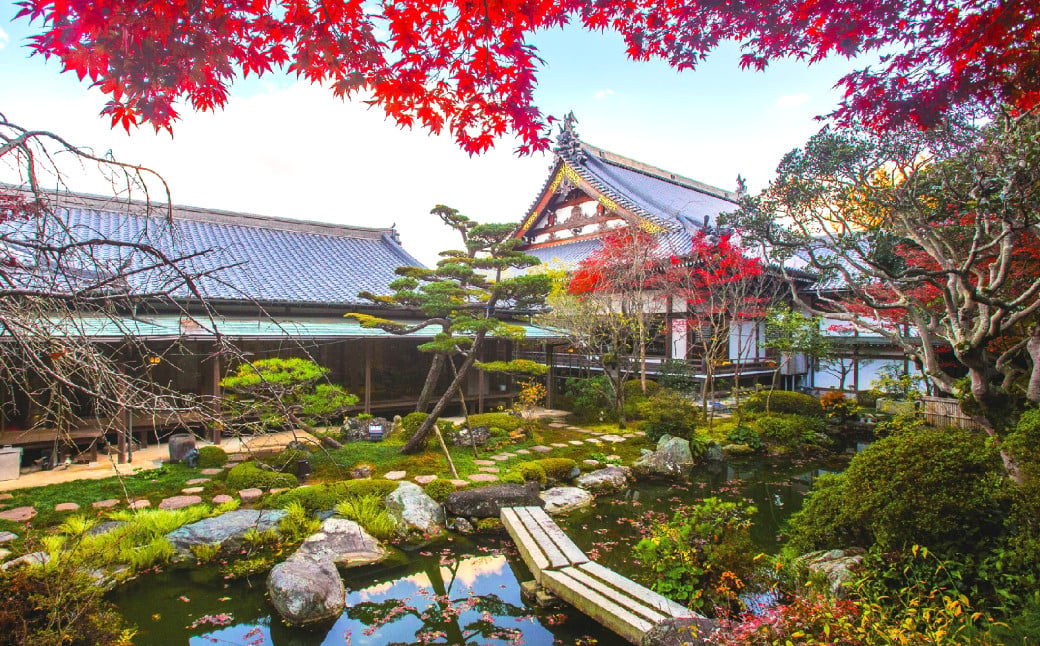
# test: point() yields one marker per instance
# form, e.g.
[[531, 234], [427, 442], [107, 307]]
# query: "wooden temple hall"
[[279, 287]]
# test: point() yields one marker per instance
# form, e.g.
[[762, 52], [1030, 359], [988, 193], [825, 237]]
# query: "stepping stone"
[[18, 514], [627, 435], [424, 480], [105, 504], [229, 465], [211, 472], [576, 442], [523, 452], [538, 448], [4, 554], [508, 454], [483, 477], [220, 499], [591, 463], [500, 458], [177, 502], [614, 457], [248, 495], [140, 504], [5, 496], [557, 425], [459, 483], [612, 438], [639, 433], [193, 490], [559, 445], [396, 475], [484, 463], [594, 440], [66, 506], [6, 537], [490, 469], [277, 490], [197, 481]]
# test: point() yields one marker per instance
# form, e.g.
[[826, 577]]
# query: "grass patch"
[[369, 512]]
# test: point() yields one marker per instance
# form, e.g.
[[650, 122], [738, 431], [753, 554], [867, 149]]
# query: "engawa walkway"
[[620, 604]]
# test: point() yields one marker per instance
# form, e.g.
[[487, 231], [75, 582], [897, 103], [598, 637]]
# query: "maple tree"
[[469, 66], [62, 286], [721, 287], [467, 296], [929, 239], [607, 309]]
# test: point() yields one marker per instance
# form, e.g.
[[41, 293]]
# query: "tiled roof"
[[662, 197], [248, 257]]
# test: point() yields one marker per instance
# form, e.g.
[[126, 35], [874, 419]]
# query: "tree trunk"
[[415, 444], [1033, 347], [432, 377], [980, 390]]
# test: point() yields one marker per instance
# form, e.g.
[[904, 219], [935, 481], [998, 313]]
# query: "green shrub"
[[247, 476], [784, 401], [439, 489], [557, 468], [370, 512], [410, 423], [790, 430], [286, 459], [504, 421], [745, 435], [591, 398], [298, 523], [669, 413], [512, 477], [823, 522], [212, 457], [531, 472], [703, 557], [931, 487], [635, 397], [323, 497]]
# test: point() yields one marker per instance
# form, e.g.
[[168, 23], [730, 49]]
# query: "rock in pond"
[[487, 502], [560, 500], [343, 542], [605, 480], [226, 529], [414, 509], [669, 459], [305, 591]]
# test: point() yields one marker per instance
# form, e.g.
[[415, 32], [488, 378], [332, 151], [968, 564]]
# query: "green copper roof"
[[172, 326]]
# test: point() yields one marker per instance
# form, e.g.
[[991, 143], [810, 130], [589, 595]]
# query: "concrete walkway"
[[145, 459]]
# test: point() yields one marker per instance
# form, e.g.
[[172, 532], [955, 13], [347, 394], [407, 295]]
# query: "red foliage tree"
[[468, 65], [721, 287]]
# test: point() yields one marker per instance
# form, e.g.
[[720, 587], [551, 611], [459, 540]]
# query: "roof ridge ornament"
[[568, 143]]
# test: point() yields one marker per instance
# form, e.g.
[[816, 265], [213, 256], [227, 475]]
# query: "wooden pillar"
[[549, 381], [121, 431], [481, 387], [217, 433], [129, 435], [368, 376]]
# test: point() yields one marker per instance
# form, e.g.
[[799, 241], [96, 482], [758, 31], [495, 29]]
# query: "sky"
[[290, 149]]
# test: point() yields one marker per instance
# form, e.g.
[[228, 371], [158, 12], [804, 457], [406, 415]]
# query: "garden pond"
[[467, 589]]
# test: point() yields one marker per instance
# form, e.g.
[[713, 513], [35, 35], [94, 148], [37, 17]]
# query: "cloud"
[[3, 38], [791, 100], [599, 95]]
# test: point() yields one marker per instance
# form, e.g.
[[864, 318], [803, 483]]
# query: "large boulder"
[[306, 590], [607, 480], [414, 510], [687, 631], [481, 435], [839, 567], [226, 529], [561, 500], [343, 542], [181, 444], [487, 502], [671, 458]]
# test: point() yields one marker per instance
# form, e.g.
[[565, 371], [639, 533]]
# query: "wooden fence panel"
[[944, 411]]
